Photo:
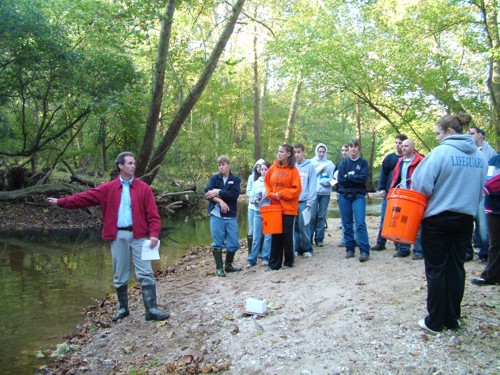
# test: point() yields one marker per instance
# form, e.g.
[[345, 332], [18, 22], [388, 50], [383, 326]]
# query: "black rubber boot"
[[122, 294], [249, 244], [149, 298], [229, 263], [219, 264]]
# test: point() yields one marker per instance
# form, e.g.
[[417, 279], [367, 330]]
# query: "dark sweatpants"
[[444, 239], [492, 271], [282, 245]]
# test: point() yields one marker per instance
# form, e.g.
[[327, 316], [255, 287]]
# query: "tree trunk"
[[293, 110], [257, 130], [370, 162], [490, 18], [192, 99], [158, 85], [358, 123]]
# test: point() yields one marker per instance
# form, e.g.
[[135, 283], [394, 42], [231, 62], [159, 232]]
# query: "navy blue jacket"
[[353, 176], [229, 192], [388, 165]]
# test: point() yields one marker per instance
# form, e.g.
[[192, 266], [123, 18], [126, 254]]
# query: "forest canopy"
[[181, 82]]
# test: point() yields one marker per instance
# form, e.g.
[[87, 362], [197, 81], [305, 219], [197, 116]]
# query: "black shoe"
[[417, 257], [483, 259], [399, 254], [378, 247], [480, 281], [469, 257], [349, 254], [363, 257]]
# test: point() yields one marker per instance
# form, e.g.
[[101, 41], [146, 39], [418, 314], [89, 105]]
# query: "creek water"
[[48, 278]]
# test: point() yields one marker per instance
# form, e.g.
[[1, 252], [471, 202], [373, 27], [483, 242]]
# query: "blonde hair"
[[223, 159]]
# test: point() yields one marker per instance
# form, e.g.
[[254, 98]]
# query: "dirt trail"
[[327, 315]]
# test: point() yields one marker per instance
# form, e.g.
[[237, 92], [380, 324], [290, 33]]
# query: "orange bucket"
[[272, 220], [403, 215]]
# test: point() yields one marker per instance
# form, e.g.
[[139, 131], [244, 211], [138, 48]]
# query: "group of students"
[[302, 187], [446, 227], [130, 215]]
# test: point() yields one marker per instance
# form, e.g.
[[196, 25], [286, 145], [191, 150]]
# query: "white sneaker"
[[296, 254], [307, 254], [249, 265], [422, 325]]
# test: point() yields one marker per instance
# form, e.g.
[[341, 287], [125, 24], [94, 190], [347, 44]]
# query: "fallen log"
[[47, 189]]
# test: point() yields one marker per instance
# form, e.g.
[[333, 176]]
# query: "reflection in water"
[[43, 289], [46, 279]]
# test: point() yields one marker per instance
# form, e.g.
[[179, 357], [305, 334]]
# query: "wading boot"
[[149, 298], [229, 262], [249, 243], [219, 264], [122, 294]]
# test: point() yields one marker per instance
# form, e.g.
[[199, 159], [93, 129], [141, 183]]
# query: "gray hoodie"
[[308, 180], [452, 176], [324, 171]]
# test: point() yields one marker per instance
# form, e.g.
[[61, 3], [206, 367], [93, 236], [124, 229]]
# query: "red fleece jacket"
[[145, 217]]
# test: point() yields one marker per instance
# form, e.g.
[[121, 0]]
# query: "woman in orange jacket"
[[283, 187]]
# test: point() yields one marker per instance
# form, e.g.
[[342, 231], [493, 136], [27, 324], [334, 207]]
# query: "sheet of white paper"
[[148, 253], [333, 182], [307, 216]]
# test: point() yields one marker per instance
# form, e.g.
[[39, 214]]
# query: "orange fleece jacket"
[[285, 181]]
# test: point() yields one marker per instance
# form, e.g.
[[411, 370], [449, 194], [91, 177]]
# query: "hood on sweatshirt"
[[304, 162], [326, 151], [258, 162], [462, 142]]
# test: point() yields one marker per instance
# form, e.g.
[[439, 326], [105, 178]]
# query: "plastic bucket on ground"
[[403, 215], [272, 221]]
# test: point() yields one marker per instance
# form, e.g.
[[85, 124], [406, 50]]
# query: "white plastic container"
[[256, 306]]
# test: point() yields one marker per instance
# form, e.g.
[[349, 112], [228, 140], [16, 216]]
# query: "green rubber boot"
[[229, 262], [149, 298], [249, 243], [219, 264], [122, 294]]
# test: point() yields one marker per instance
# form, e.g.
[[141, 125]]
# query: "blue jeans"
[[257, 239], [417, 247], [381, 240], [482, 231], [318, 217], [353, 210], [224, 233], [251, 214], [302, 233]]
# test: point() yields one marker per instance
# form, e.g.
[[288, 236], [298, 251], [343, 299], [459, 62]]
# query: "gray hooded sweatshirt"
[[452, 176], [308, 180], [324, 171]]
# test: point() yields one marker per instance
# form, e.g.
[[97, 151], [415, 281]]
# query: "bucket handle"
[[265, 202], [398, 186]]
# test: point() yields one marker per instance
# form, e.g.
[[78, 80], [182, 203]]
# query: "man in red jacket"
[[130, 216], [401, 178]]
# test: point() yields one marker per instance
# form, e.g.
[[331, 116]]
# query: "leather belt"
[[126, 228]]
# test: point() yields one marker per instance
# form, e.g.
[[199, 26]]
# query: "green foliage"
[[75, 78], [56, 73]]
